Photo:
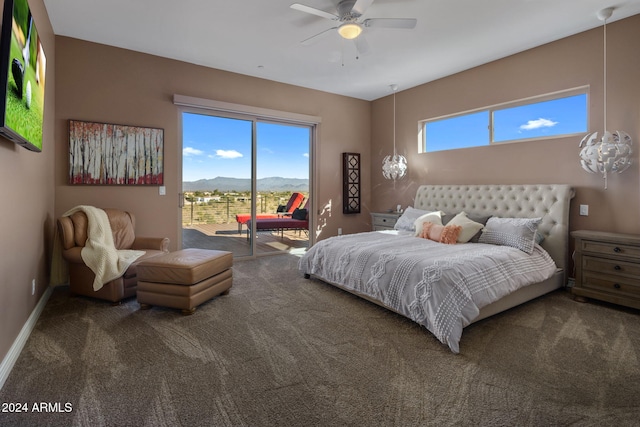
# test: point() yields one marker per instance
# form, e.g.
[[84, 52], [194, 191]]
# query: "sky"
[[217, 146], [541, 119]]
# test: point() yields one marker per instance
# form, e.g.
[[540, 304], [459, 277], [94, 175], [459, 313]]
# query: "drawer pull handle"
[[617, 267], [617, 249], [617, 286]]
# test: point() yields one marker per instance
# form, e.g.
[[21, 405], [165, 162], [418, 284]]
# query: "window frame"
[[581, 90]]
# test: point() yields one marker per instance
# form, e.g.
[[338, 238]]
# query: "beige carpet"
[[280, 350]]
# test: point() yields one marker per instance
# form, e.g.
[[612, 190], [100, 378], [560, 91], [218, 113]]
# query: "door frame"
[[188, 104]]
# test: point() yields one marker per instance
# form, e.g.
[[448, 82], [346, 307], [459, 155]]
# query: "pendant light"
[[613, 152], [395, 166]]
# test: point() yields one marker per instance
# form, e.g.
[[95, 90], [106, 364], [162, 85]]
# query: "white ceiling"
[[262, 38]]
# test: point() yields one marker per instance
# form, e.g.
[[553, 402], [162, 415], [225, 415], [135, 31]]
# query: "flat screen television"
[[22, 77]]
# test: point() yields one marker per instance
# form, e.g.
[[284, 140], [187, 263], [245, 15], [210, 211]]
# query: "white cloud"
[[305, 155], [228, 154], [537, 124], [190, 151]]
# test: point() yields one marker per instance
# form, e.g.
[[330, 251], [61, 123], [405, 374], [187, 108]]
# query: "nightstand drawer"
[[611, 266], [607, 267], [612, 285], [606, 248], [384, 221]]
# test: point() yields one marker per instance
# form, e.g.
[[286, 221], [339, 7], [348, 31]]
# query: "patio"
[[226, 237]]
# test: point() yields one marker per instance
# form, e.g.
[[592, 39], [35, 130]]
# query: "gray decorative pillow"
[[515, 232], [405, 222]]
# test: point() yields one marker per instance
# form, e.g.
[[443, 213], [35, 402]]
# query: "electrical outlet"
[[33, 287], [339, 231], [584, 210], [162, 190]]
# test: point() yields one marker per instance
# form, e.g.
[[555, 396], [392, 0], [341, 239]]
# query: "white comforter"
[[442, 287]]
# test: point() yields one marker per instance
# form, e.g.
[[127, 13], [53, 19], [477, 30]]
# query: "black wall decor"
[[350, 183]]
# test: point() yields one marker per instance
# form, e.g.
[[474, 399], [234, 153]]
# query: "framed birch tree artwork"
[[109, 154]]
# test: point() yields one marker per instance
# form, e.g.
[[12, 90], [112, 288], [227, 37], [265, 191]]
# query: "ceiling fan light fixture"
[[350, 30]]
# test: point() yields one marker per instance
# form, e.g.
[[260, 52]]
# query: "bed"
[[446, 287]]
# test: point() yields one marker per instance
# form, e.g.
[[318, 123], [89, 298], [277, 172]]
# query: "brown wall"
[[26, 211], [106, 84], [568, 63]]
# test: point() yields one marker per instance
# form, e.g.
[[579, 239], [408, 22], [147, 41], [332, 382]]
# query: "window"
[[559, 114], [469, 130]]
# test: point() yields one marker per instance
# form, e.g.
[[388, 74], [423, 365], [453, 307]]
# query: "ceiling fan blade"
[[362, 46], [317, 37], [407, 23], [314, 11], [361, 6]]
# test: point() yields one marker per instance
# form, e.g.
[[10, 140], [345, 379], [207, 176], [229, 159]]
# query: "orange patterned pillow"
[[439, 233]]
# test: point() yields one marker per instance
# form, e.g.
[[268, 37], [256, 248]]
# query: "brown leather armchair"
[[73, 235]]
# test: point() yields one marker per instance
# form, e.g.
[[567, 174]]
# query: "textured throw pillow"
[[433, 217], [406, 220], [515, 232], [440, 233], [469, 227]]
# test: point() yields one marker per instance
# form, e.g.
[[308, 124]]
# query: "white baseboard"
[[14, 352]]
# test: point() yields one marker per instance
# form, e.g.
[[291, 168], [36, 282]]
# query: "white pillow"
[[434, 217], [406, 220], [469, 227]]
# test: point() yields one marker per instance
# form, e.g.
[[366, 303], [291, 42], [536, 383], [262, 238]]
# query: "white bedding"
[[439, 286]]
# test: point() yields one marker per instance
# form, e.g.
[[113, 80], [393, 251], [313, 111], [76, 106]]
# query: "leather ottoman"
[[184, 279]]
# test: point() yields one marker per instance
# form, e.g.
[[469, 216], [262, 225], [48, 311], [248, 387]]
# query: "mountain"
[[221, 183]]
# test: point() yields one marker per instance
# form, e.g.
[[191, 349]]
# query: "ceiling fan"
[[350, 25]]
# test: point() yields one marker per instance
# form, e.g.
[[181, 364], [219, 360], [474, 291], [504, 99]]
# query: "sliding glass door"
[[282, 171], [239, 173], [216, 181]]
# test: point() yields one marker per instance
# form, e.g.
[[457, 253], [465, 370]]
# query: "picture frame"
[[350, 183], [113, 154]]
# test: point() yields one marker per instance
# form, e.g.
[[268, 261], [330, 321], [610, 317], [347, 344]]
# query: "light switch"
[[162, 190]]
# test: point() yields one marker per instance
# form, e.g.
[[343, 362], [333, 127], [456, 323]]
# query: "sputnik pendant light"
[[394, 167], [612, 153]]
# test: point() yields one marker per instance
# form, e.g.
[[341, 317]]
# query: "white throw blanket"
[[99, 252]]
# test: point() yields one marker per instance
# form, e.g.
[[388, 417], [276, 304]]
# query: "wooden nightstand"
[[384, 221], [607, 267]]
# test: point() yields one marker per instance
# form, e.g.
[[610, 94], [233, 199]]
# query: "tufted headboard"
[[547, 201]]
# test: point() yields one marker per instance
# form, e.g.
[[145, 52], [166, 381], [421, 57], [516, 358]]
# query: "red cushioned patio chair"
[[290, 222], [294, 202]]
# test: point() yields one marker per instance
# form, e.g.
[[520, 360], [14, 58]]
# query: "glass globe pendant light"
[[611, 153], [394, 166]]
